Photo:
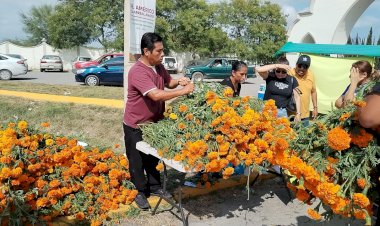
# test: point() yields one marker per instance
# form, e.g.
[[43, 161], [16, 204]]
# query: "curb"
[[66, 99]]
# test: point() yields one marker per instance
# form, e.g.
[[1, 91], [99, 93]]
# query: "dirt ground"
[[269, 204]]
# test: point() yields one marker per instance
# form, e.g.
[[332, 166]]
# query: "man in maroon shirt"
[[146, 103]]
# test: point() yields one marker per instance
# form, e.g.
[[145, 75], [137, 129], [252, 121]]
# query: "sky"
[[11, 26]]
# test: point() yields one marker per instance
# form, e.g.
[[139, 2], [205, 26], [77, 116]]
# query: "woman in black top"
[[238, 75], [280, 86]]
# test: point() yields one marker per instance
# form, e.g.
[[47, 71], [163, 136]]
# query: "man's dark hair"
[[148, 40], [237, 65]]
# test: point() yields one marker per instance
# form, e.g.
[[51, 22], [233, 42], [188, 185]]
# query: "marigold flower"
[[45, 124], [182, 108], [160, 166], [338, 139], [22, 125], [360, 200], [314, 214], [228, 172], [181, 126], [361, 183], [212, 155], [189, 117], [361, 139], [173, 116], [228, 92], [79, 216], [49, 142]]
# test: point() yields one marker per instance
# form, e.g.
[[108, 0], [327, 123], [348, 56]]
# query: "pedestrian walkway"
[[65, 99]]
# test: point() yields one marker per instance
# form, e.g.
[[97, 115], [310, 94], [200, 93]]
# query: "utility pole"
[[127, 31]]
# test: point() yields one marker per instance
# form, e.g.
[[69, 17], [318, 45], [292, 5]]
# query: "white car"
[[10, 66], [170, 64], [18, 56]]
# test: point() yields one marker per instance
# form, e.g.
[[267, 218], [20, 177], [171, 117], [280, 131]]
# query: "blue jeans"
[[281, 112], [305, 122]]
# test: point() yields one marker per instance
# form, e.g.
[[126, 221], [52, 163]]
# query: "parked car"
[[10, 66], [170, 64], [214, 68], [110, 72], [18, 56], [51, 62], [98, 61], [79, 60]]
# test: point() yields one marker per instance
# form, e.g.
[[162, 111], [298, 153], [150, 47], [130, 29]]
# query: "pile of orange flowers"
[[43, 177], [334, 160], [215, 132]]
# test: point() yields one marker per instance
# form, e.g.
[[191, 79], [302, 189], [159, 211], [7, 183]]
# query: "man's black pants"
[[138, 162]]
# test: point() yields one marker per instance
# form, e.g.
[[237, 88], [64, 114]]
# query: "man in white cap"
[[306, 83]]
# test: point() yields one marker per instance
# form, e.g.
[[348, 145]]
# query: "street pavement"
[[249, 88]]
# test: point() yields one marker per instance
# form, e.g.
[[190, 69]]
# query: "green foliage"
[[36, 23], [247, 29], [369, 37], [68, 27]]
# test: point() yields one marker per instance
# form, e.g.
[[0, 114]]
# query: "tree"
[[68, 27], [378, 41], [357, 41], [349, 40], [36, 23], [102, 18], [257, 30], [190, 26], [369, 37]]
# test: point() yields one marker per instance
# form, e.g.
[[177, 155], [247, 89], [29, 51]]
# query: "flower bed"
[[43, 177]]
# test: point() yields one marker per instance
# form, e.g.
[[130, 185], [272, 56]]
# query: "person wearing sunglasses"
[[306, 83], [238, 76], [360, 74], [280, 86]]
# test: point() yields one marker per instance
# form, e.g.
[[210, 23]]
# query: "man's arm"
[[315, 103], [163, 95], [369, 115], [184, 81]]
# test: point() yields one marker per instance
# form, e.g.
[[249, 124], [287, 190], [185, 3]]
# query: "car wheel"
[[42, 70], [197, 77], [92, 80], [61, 70], [5, 75]]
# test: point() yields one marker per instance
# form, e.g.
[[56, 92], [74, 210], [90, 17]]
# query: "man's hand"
[[184, 81], [189, 88], [297, 118]]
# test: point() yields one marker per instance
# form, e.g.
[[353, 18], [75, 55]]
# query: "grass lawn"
[[105, 92], [97, 126]]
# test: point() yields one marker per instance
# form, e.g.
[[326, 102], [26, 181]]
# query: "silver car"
[[10, 67], [51, 62], [18, 56]]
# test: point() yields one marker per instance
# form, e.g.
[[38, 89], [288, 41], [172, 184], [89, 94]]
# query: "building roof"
[[362, 50]]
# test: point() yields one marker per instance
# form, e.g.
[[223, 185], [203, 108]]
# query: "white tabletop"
[[147, 149]]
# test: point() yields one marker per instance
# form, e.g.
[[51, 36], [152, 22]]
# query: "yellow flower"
[[49, 142], [173, 116], [22, 125]]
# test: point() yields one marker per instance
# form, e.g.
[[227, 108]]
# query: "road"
[[249, 88]]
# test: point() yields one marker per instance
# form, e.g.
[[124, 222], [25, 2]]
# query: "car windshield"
[[84, 59], [51, 57], [15, 56], [168, 60], [114, 61]]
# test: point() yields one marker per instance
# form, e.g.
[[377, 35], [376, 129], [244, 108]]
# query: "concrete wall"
[[34, 54], [326, 22]]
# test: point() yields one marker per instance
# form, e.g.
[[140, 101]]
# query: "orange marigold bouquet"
[[43, 177], [213, 131], [334, 160]]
